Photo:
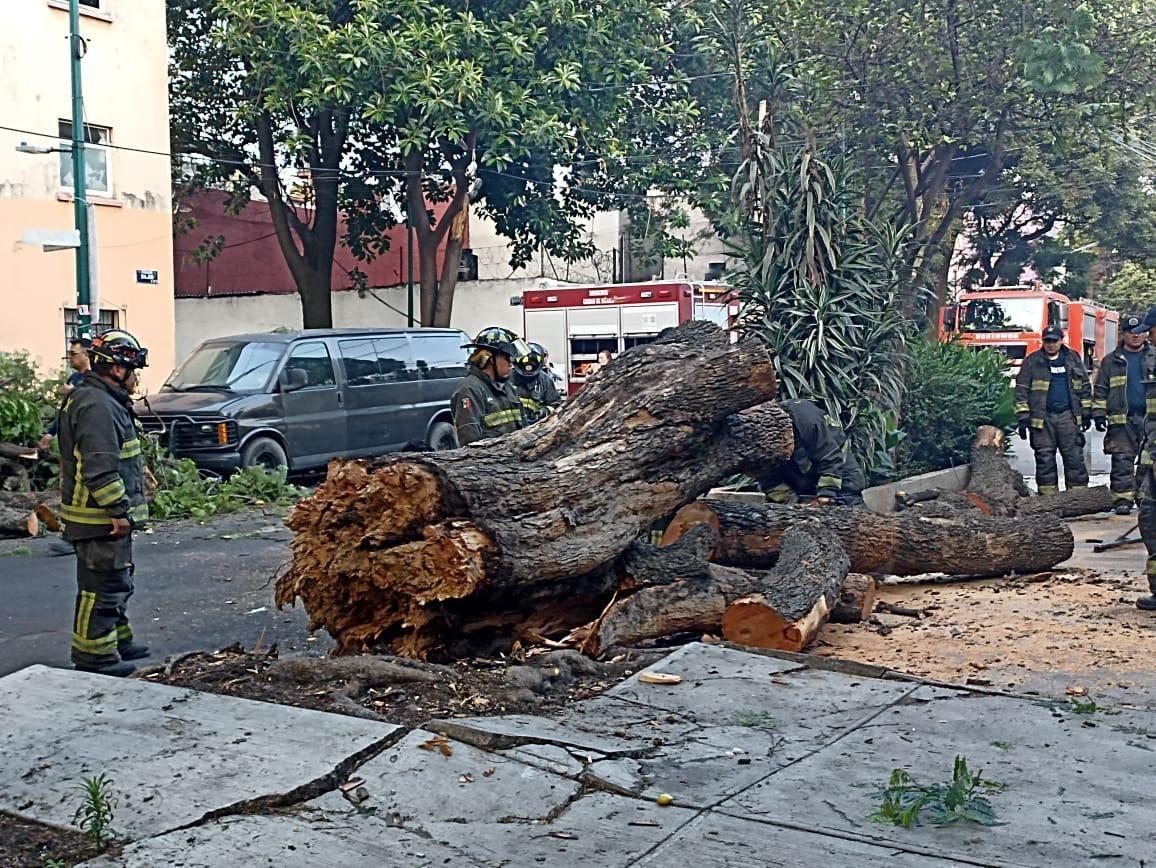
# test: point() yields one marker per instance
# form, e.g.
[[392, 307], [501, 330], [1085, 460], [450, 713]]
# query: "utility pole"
[[77, 47]]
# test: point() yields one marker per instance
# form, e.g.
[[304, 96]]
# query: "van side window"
[[360, 360], [394, 359], [441, 356], [313, 359]]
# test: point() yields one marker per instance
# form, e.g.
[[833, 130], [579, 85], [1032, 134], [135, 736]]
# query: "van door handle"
[[340, 399]]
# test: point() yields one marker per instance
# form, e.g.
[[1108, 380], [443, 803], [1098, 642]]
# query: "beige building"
[[125, 76]]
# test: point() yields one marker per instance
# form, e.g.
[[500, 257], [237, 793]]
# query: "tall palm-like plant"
[[822, 287]]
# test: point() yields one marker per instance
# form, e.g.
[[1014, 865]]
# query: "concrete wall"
[[477, 304], [126, 89]]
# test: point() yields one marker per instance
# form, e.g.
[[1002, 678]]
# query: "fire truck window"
[[639, 341], [1003, 314], [1054, 317]]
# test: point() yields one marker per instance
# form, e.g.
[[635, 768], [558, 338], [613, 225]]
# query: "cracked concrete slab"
[[174, 755], [1077, 787], [413, 786], [300, 839], [719, 841]]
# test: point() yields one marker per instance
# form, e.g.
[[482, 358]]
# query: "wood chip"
[[439, 743], [1076, 691], [659, 678], [488, 772], [569, 836], [352, 784], [642, 823]]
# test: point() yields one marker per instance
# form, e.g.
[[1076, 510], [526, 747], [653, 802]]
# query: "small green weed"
[[1088, 706], [97, 806], [1002, 745], [904, 801], [15, 552], [759, 719]]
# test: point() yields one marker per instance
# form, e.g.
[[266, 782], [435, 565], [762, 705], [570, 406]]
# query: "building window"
[[97, 177], [109, 319], [95, 4]]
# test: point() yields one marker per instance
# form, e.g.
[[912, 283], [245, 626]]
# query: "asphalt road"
[[198, 587]]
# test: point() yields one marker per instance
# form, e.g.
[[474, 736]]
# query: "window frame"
[[71, 325], [328, 354], [66, 154]]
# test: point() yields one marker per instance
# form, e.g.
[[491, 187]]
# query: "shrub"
[[27, 403], [183, 491], [951, 390]]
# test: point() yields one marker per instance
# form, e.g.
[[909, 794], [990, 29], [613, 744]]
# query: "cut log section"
[[964, 542], [18, 522], [540, 508], [1069, 503], [694, 597], [856, 600], [801, 591]]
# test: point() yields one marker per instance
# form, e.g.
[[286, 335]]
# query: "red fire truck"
[[1010, 320], [575, 323]]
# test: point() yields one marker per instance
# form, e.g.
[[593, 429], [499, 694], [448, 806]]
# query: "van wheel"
[[264, 452], [442, 436]]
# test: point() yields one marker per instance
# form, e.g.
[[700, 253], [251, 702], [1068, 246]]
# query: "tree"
[[822, 287], [516, 107], [1132, 289], [937, 101]]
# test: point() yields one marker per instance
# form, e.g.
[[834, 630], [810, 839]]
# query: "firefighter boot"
[[132, 651], [118, 670], [1122, 507], [1148, 604]]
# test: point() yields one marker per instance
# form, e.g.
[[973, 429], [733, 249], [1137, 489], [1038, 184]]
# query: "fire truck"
[[1010, 320], [575, 323]]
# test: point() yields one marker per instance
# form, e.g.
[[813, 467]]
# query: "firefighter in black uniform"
[[485, 404], [1118, 404], [818, 467], [534, 385], [1054, 401], [102, 501]]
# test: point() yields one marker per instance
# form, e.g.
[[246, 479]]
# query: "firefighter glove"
[[1023, 430], [1101, 424]]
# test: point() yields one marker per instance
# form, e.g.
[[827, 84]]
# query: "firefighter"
[[818, 466], [534, 385], [1146, 472], [485, 404], [1053, 401], [1118, 406], [102, 501]]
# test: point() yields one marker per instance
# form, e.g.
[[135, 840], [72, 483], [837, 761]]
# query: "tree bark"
[[18, 522], [1070, 503], [408, 550], [856, 600], [962, 542]]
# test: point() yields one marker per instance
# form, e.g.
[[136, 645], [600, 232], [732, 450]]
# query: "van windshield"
[[227, 367]]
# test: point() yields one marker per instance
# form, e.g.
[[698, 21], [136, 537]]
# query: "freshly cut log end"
[[856, 600], [753, 621]]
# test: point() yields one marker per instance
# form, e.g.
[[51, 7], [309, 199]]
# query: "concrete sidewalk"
[[770, 760]]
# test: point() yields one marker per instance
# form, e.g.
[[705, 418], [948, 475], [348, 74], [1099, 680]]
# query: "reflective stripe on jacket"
[[101, 469], [483, 408]]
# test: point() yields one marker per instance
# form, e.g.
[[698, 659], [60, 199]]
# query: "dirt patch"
[[402, 692], [1046, 633], [31, 845]]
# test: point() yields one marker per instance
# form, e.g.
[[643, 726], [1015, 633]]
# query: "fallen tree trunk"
[[677, 594], [406, 551], [18, 522], [1069, 503], [856, 600], [964, 542]]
